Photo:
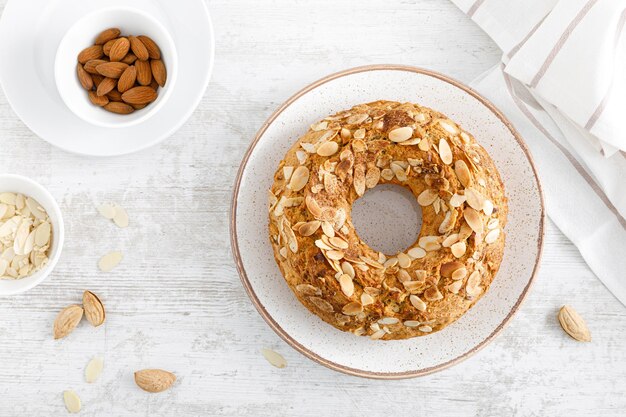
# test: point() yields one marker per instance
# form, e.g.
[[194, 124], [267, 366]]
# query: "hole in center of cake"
[[387, 218]]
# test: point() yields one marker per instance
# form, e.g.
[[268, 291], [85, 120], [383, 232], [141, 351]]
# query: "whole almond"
[[119, 49], [106, 48], [67, 320], [94, 309], [154, 380], [153, 49], [114, 95], [129, 58], [105, 86], [139, 95], [107, 35], [138, 48], [154, 85], [98, 100], [127, 80], [139, 106], [119, 107], [90, 66], [573, 324], [83, 77], [144, 73], [97, 79], [112, 69], [158, 71], [89, 53]]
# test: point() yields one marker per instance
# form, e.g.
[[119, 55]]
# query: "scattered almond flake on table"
[[110, 261], [72, 401], [107, 211], [94, 369], [121, 217], [274, 358]]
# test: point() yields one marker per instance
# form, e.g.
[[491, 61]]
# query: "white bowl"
[[28, 187], [82, 34]]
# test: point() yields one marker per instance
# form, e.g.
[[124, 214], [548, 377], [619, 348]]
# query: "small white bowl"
[[82, 34], [28, 187]]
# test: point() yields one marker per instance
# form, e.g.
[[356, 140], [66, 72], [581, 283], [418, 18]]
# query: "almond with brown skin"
[[112, 69], [106, 48], [138, 48], [119, 49], [67, 320], [153, 49], [154, 85], [84, 78], [94, 309], [127, 80], [158, 71], [139, 95], [144, 73], [107, 35], [90, 66], [105, 86], [89, 53], [98, 100], [114, 95], [139, 106], [97, 79], [119, 107], [129, 58], [154, 380]]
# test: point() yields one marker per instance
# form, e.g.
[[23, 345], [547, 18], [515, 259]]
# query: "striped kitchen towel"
[[562, 83]]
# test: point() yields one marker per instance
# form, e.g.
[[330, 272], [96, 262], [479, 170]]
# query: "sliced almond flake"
[[449, 126], [308, 289], [458, 249], [410, 142], [302, 157], [366, 299], [371, 262], [72, 401], [417, 302], [474, 199], [412, 323], [416, 253], [3, 210], [472, 288], [348, 269], [328, 229], [425, 329], [465, 138], [404, 260], [308, 147], [427, 197], [445, 152], [400, 134], [387, 174], [338, 242], [459, 274], [457, 200], [463, 173], [455, 287], [399, 171], [450, 240], [107, 211], [345, 133], [347, 285], [493, 223], [372, 177], [352, 309], [492, 236], [110, 261], [335, 255], [432, 294], [473, 220], [36, 209], [488, 207], [320, 244], [287, 171], [448, 222], [307, 229], [429, 243], [378, 334], [356, 119], [323, 125], [387, 321], [359, 133], [8, 198], [390, 263], [328, 149], [274, 358], [299, 178], [94, 369], [121, 217], [424, 145]]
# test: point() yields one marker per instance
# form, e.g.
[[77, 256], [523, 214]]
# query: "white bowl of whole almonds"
[[31, 234]]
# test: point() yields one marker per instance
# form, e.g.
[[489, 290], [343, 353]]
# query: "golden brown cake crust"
[[341, 279]]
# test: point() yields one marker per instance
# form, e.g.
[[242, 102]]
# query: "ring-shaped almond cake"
[[339, 277]]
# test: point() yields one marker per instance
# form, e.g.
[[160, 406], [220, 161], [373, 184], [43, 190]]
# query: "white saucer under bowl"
[[30, 33], [359, 355]]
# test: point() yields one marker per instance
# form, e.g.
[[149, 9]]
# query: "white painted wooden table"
[[176, 301]]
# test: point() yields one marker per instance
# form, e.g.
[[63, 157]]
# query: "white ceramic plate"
[[30, 32], [360, 355]]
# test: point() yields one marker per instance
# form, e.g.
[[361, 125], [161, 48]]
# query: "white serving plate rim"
[[259, 305]]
